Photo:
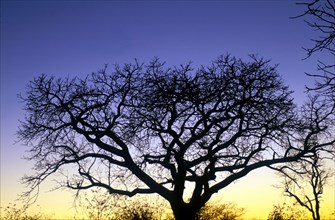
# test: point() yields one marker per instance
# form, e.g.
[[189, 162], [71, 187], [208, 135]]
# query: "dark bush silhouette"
[[137, 211], [286, 212], [16, 212], [98, 205], [145, 129], [219, 211]]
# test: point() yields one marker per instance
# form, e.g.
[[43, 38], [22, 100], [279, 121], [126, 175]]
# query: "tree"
[[305, 183], [180, 133], [320, 15], [305, 178]]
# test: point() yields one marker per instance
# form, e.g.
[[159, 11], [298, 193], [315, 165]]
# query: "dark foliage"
[[285, 212]]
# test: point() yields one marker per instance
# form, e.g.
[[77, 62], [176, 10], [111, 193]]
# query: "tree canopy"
[[178, 132]]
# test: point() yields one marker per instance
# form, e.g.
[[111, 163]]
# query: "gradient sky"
[[75, 38]]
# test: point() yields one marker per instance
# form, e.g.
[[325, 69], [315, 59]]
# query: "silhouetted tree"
[[150, 129], [320, 15], [305, 179], [304, 182]]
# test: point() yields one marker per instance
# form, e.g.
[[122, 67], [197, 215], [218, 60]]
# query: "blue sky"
[[75, 38]]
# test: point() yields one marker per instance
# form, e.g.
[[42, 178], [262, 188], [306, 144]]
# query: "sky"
[[74, 38]]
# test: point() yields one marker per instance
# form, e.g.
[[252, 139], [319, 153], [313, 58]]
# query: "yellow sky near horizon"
[[255, 193]]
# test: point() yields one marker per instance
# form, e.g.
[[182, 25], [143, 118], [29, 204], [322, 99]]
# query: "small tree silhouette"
[[305, 183], [305, 178]]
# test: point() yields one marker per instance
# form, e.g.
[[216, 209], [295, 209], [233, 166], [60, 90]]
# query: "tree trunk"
[[183, 211], [317, 215]]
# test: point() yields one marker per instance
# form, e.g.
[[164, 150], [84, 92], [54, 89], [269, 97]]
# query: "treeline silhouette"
[[109, 208]]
